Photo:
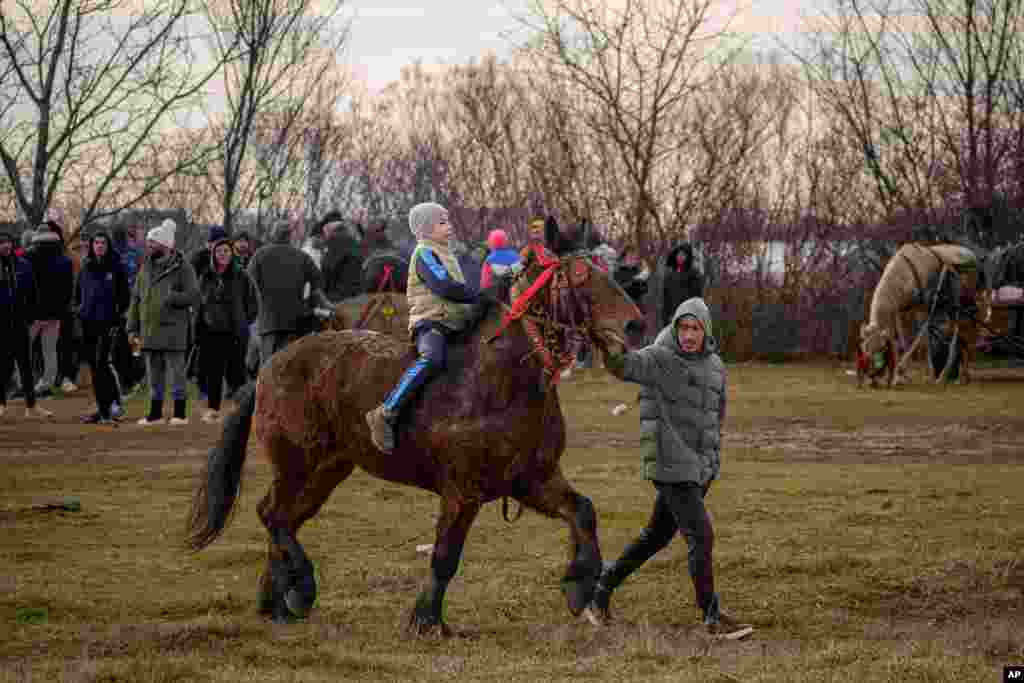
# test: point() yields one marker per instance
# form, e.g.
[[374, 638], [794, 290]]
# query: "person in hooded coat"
[[682, 410], [102, 297], [676, 279]]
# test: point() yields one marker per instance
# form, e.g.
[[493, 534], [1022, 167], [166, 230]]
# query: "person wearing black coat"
[[102, 298], [342, 264], [228, 304], [676, 279], [17, 302], [55, 282]]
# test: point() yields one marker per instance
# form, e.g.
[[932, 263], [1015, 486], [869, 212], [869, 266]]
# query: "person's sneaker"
[[211, 416], [37, 412], [96, 419], [178, 421], [68, 387], [116, 411], [598, 612], [43, 391], [381, 431], [726, 627], [146, 422]]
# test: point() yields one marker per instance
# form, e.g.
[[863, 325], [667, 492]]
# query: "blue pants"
[[432, 346]]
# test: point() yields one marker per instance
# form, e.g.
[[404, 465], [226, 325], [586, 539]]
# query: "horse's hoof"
[[428, 626], [298, 604], [578, 593]]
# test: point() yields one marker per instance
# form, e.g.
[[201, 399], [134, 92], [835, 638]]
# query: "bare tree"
[[638, 65], [88, 88], [925, 90], [276, 54]]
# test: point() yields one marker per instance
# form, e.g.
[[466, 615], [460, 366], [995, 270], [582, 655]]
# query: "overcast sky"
[[387, 34]]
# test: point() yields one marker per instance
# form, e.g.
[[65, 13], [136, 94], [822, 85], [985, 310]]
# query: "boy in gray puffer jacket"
[[682, 407]]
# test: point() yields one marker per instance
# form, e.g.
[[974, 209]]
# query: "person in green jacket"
[[166, 289], [682, 408]]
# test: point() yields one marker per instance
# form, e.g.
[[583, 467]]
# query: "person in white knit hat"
[[441, 304], [166, 289]]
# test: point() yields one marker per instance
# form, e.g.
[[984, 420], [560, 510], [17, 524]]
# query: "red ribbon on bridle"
[[523, 301], [554, 361]]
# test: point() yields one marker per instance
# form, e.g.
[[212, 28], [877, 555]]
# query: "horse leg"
[[288, 586], [556, 498], [900, 369], [950, 356], [457, 516]]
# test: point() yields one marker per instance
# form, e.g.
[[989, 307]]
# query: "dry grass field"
[[869, 535]]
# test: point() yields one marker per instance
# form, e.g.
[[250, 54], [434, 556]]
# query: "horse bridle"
[[558, 300]]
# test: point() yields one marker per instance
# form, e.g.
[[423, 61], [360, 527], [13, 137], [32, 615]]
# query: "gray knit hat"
[[423, 216]]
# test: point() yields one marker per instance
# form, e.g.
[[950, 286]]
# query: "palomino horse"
[[942, 281], [491, 427]]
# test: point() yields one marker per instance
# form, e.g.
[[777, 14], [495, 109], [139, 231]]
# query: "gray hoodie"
[[682, 403]]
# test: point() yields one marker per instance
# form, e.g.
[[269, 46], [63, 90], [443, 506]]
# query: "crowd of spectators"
[[141, 315]]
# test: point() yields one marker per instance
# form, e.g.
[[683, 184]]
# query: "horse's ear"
[[552, 234]]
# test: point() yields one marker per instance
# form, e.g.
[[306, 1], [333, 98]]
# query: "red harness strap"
[[523, 301], [385, 278], [371, 305], [521, 305]]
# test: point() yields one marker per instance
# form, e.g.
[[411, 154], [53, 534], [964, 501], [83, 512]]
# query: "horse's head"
[[873, 338], [584, 296]]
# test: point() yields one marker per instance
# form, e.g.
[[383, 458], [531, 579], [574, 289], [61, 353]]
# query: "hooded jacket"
[[682, 403], [672, 286], [227, 300], [165, 291], [103, 293], [55, 279]]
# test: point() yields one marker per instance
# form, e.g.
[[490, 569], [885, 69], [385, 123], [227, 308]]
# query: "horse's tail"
[[222, 477]]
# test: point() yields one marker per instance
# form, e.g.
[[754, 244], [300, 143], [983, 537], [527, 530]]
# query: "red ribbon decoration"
[[522, 302]]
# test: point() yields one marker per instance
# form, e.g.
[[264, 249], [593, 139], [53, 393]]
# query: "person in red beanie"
[[502, 260]]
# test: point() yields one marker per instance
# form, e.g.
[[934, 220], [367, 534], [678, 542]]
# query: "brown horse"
[[491, 427]]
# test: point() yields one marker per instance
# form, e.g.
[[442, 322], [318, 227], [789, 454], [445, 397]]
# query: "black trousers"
[[15, 348], [678, 507], [68, 349], [220, 358], [97, 342]]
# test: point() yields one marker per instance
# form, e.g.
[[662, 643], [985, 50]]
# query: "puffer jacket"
[[682, 403]]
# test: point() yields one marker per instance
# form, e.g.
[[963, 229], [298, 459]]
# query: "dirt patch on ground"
[[65, 440]]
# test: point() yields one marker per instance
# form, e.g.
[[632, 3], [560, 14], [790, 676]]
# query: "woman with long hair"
[[102, 296]]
